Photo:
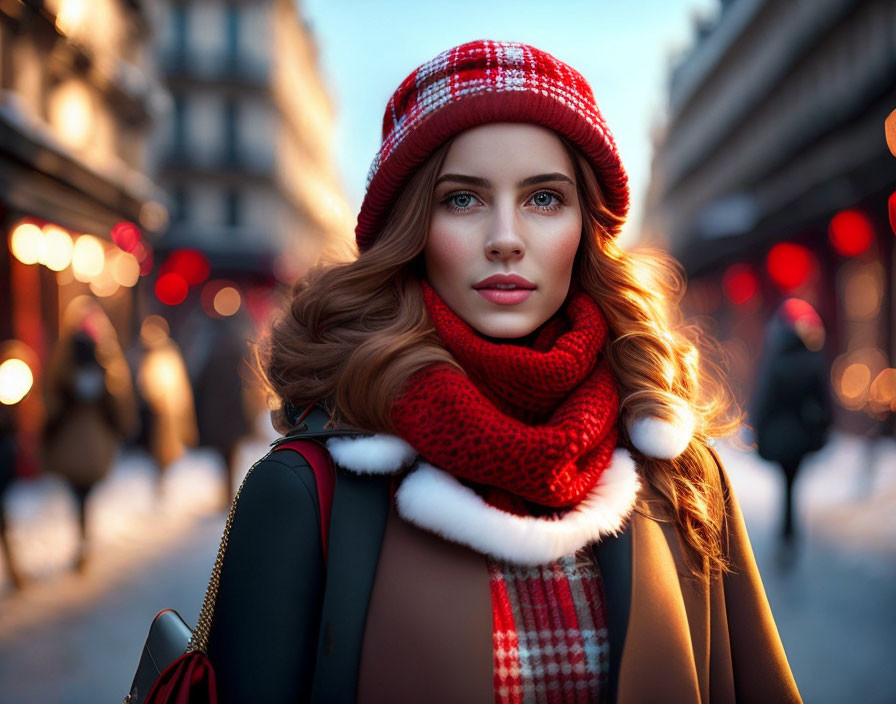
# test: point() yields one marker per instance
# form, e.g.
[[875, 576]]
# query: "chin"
[[505, 326]]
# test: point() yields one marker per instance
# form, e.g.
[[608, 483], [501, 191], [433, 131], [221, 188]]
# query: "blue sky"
[[622, 48]]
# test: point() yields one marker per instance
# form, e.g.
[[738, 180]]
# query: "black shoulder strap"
[[360, 508], [614, 556]]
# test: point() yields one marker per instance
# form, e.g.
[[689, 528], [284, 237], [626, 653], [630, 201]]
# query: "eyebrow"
[[485, 183]]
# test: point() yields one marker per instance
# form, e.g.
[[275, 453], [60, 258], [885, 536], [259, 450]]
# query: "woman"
[[526, 507], [90, 408]]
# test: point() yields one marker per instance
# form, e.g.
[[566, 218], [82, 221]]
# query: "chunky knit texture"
[[550, 632], [535, 422], [479, 83]]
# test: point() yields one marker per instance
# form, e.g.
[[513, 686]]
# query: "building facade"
[[245, 153], [771, 178], [77, 100]]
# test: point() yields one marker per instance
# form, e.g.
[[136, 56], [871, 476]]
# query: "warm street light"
[[58, 248], [227, 301], [88, 258], [16, 381], [27, 243], [125, 268]]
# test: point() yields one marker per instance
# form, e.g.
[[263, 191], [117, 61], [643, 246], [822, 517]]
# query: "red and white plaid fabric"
[[550, 632], [478, 83]]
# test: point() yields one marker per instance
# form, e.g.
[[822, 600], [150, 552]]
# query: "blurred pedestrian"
[[90, 410], [221, 413], [162, 381], [7, 474], [791, 407]]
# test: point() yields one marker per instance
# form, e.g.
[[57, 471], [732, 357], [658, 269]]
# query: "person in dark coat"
[[221, 414], [90, 410], [791, 407]]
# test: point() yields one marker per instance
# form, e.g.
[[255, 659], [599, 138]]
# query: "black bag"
[[168, 638]]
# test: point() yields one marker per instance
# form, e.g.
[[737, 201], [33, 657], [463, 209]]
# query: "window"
[[233, 34], [231, 130], [234, 207]]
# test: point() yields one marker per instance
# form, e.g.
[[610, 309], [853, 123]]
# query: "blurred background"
[[168, 168]]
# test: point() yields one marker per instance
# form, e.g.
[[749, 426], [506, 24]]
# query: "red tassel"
[[188, 680]]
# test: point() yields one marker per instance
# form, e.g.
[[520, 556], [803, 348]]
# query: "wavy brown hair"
[[356, 331]]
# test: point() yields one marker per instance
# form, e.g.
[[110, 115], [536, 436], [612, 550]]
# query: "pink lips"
[[505, 289]]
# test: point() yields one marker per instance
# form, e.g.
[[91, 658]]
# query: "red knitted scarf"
[[533, 422]]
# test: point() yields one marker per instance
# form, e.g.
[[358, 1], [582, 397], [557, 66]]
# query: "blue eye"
[[545, 199], [461, 200]]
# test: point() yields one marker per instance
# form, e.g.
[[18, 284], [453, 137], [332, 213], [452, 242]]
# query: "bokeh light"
[[227, 301], [855, 380], [863, 292], [740, 283], [891, 206], [126, 235], [850, 233], [72, 113], [104, 283], [125, 268], [789, 265], [882, 393], [88, 258], [192, 265], [172, 289], [154, 330], [27, 243], [16, 381], [851, 375], [58, 248]]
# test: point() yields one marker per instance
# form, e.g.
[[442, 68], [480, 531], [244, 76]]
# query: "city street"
[[71, 638]]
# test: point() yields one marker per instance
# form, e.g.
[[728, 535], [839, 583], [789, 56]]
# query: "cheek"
[[564, 247], [446, 250]]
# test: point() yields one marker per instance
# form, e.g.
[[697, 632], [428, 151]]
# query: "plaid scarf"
[[550, 631], [527, 423]]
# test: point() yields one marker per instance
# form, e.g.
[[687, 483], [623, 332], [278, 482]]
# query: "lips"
[[505, 289], [505, 282]]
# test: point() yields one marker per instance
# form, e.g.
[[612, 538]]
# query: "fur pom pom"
[[372, 454], [662, 439]]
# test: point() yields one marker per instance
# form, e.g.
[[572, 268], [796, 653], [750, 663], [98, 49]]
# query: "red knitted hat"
[[478, 83]]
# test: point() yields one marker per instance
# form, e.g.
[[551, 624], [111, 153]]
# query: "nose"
[[503, 241]]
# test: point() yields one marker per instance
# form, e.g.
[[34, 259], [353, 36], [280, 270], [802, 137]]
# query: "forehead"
[[508, 149]]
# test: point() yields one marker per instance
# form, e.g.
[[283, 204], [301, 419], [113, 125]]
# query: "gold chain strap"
[[199, 639]]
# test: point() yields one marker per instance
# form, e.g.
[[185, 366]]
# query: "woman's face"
[[505, 228]]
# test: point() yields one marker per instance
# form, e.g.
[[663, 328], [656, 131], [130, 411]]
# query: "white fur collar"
[[436, 501], [371, 454]]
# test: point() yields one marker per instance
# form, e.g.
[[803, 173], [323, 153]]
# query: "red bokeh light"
[[126, 235], [740, 283], [850, 232], [892, 208], [171, 289], [190, 264], [789, 265]]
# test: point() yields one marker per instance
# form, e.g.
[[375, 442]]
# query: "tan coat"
[[687, 640]]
